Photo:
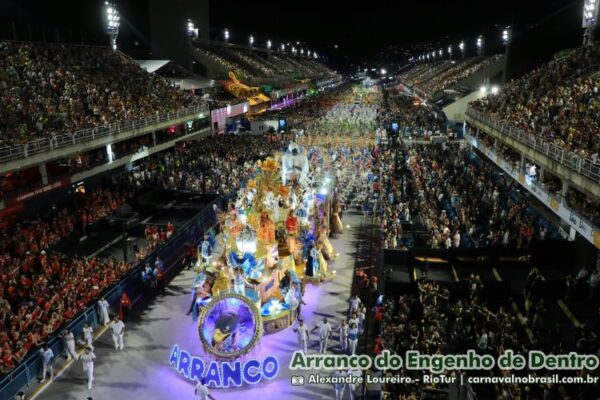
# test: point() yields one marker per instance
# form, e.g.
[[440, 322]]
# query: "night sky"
[[376, 31]]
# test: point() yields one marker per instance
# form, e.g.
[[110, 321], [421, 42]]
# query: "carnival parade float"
[[273, 242]]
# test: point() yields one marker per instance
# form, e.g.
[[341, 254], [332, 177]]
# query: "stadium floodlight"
[[461, 46], [590, 20], [480, 45], [383, 71], [269, 44], [483, 90], [302, 51], [506, 33], [506, 39], [495, 90], [450, 51], [282, 47], [441, 53], [112, 23], [226, 35], [315, 55], [191, 29], [251, 40]]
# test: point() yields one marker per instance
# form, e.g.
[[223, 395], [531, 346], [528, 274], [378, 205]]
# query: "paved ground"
[[142, 370]]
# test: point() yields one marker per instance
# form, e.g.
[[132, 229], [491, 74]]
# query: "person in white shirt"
[[447, 242], [482, 344], [362, 315], [292, 301], [302, 334], [103, 306], [70, 345], [456, 239], [352, 386], [344, 336], [201, 391], [47, 356], [88, 335], [339, 387], [87, 359], [353, 337], [354, 304], [118, 329], [324, 332]]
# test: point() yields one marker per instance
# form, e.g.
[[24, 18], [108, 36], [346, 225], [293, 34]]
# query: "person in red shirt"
[[124, 307], [379, 344]]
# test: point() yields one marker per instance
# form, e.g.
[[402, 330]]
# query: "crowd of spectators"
[[559, 102], [230, 65], [419, 72], [459, 71], [50, 89], [40, 288], [414, 117], [212, 165], [459, 200], [262, 65], [253, 66]]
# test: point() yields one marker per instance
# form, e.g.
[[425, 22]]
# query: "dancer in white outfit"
[[302, 333], [118, 329], [87, 359], [88, 335], [70, 345], [324, 332], [103, 306], [353, 338], [47, 356], [344, 336]]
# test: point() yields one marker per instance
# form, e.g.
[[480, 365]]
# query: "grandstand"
[[424, 202], [257, 66]]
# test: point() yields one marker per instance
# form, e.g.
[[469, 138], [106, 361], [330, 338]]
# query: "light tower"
[[192, 31], [450, 52], [112, 23], [590, 20], [226, 35], [461, 46], [506, 39], [480, 45]]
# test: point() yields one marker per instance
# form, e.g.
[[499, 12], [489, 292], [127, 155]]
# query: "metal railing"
[[170, 252], [536, 185], [566, 158], [21, 151]]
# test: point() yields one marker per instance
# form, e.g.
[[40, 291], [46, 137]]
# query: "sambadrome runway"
[[143, 371]]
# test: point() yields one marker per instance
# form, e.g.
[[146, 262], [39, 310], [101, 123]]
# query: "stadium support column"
[[565, 189], [154, 138], [43, 173], [522, 164], [541, 174]]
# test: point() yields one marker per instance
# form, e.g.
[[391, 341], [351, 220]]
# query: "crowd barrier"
[[170, 252], [8, 153], [569, 159]]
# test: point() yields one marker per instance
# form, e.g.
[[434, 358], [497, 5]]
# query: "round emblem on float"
[[230, 326]]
